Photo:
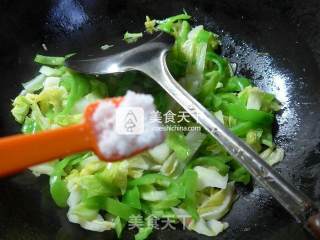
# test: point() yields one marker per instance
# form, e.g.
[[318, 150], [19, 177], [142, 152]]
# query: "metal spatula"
[[150, 58]]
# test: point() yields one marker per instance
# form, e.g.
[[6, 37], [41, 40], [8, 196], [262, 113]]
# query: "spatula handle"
[[22, 151]]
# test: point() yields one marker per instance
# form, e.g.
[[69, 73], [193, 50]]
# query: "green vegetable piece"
[[30, 126], [59, 192], [184, 31], [97, 202], [93, 186], [143, 233], [83, 212], [253, 138], [119, 226], [117, 208], [51, 71], [21, 108], [219, 162], [132, 198], [77, 85], [243, 114], [177, 189], [181, 37], [115, 176], [99, 88], [34, 84], [218, 203], [203, 36], [105, 47], [236, 84], [240, 175], [150, 25], [219, 73], [165, 204], [132, 37], [267, 138], [161, 101], [151, 178], [112, 206], [178, 143], [242, 128], [190, 179], [58, 187], [167, 24], [47, 60]]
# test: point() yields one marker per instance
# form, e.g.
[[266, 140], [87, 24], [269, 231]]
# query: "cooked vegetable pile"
[[189, 178]]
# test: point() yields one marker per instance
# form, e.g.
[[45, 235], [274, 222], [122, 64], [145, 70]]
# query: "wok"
[[276, 43]]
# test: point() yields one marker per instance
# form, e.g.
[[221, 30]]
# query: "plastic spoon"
[[22, 151]]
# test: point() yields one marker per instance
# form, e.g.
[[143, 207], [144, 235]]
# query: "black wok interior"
[[276, 43]]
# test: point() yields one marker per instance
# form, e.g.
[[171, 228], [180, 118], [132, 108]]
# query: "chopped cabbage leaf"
[[210, 177]]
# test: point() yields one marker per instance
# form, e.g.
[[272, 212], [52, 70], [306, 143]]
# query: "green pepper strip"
[[240, 175], [235, 84], [178, 143], [119, 226], [58, 187], [117, 208], [132, 198], [165, 204], [79, 87], [46, 60], [242, 128], [181, 37], [177, 190], [240, 112], [112, 206], [152, 178], [218, 162], [214, 76], [166, 25], [190, 179]]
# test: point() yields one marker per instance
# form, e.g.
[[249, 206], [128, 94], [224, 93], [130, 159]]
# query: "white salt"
[[111, 143]]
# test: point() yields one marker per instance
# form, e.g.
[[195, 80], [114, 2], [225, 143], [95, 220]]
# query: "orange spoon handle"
[[21, 151]]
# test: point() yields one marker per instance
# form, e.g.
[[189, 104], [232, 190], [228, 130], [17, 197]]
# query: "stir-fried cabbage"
[[189, 177]]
